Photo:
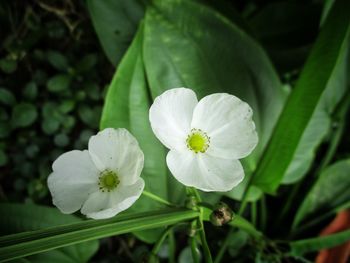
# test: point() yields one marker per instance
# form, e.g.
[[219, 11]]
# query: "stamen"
[[108, 181], [198, 141]]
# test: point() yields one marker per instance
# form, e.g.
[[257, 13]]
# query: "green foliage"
[[115, 22], [59, 83], [23, 114], [328, 195], [55, 76], [323, 59], [301, 247], [28, 243], [6, 97], [17, 218]]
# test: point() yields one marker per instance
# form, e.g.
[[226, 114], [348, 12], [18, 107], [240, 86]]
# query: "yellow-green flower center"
[[108, 180], [197, 141]]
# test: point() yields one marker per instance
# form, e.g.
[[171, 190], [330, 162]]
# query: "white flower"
[[205, 138], [102, 181]]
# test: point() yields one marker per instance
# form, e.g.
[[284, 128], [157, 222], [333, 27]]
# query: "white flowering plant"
[[201, 139]]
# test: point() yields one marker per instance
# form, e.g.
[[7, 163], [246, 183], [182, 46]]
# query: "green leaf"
[[59, 83], [327, 195], [28, 243], [304, 246], [126, 105], [58, 60], [8, 65], [6, 97], [315, 77], [30, 90], [190, 45], [61, 140], [23, 115], [90, 116], [321, 120], [15, 218], [49, 125], [115, 22], [87, 63]]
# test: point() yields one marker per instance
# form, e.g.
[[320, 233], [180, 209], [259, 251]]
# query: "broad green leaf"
[[115, 22], [329, 192], [321, 120], [315, 77], [126, 105], [23, 115], [190, 45], [304, 246], [29, 243], [15, 218]]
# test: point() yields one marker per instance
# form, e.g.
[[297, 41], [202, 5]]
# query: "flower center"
[[198, 141], [108, 180]]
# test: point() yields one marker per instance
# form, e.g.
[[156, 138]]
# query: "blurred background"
[[53, 77]]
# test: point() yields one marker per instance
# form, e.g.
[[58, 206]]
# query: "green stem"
[[242, 206], [223, 247], [206, 251], [245, 195], [160, 241], [172, 247], [253, 213], [263, 213], [156, 198], [194, 249], [339, 117], [289, 202], [168, 232], [319, 219]]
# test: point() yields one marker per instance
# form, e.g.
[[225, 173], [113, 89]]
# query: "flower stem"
[[194, 250], [172, 246], [253, 212], [156, 198], [160, 241], [206, 251]]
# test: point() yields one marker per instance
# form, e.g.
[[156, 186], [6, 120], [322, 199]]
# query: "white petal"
[[73, 178], [205, 172], [228, 122], [105, 205], [119, 151], [171, 115]]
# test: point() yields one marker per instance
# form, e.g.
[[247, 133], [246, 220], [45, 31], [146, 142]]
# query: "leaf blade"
[[323, 59], [28, 243], [304, 246]]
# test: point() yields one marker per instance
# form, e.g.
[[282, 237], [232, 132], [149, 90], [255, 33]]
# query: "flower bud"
[[221, 215]]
